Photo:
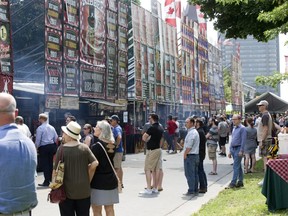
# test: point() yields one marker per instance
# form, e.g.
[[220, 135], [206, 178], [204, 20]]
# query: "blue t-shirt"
[[117, 130], [18, 160]]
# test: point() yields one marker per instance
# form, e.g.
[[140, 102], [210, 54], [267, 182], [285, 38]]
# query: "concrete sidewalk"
[[169, 202]]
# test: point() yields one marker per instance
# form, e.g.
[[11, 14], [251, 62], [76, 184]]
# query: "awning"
[[36, 88], [107, 103]]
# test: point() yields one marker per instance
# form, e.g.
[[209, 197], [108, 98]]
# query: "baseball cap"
[[115, 117], [263, 103]]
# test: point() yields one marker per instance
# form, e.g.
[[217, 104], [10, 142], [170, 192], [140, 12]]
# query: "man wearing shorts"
[[117, 132], [152, 161], [264, 131]]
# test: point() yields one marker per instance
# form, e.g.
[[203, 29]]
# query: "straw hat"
[[73, 130]]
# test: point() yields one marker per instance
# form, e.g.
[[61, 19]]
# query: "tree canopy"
[[264, 19]]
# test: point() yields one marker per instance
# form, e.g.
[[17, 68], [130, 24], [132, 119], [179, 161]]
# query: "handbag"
[[118, 180], [57, 193]]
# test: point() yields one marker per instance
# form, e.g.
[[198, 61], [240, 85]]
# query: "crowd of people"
[[93, 161]]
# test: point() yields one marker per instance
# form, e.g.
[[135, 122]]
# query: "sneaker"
[[191, 194], [261, 183], [230, 186], [202, 190], [239, 184], [155, 190], [146, 192]]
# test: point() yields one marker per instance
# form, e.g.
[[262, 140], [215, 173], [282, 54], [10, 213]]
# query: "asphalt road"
[[169, 202]]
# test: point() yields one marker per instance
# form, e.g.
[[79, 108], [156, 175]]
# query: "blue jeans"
[[202, 176], [191, 164], [170, 141], [237, 168]]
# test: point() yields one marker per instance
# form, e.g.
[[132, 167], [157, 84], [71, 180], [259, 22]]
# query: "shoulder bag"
[[119, 183], [57, 193]]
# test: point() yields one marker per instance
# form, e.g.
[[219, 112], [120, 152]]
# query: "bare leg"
[[160, 179], [97, 210], [109, 209], [214, 165], [253, 162], [119, 172], [148, 178], [247, 156]]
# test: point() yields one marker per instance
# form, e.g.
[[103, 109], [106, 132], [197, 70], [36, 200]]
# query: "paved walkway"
[[169, 202]]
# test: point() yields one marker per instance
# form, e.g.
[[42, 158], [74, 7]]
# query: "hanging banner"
[[149, 29], [92, 82], [6, 83], [53, 40], [122, 89], [53, 78], [71, 80], [111, 69], [111, 25], [142, 22], [135, 22], [71, 12], [92, 35], [122, 15], [53, 10], [4, 11], [70, 48], [5, 49]]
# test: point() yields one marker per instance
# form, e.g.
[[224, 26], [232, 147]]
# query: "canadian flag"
[[172, 9]]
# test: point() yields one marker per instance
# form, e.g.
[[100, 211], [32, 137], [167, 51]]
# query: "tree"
[[273, 80], [227, 84], [239, 18]]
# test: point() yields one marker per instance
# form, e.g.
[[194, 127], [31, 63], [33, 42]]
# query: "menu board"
[[112, 5], [53, 9], [52, 102], [122, 89], [138, 89], [71, 12], [4, 11], [6, 83], [53, 40], [70, 48], [151, 64], [122, 65], [111, 25], [111, 68], [92, 82], [5, 49], [93, 34], [53, 78], [122, 42], [71, 78], [122, 15]]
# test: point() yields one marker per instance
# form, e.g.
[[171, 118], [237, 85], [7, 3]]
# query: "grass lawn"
[[243, 201]]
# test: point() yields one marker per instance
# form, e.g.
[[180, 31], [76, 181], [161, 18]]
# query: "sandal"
[[212, 173]]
